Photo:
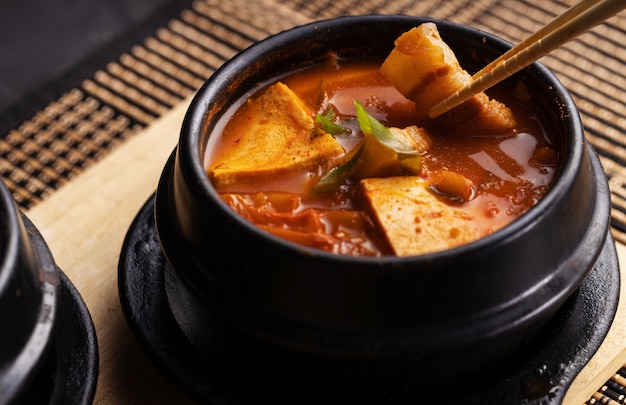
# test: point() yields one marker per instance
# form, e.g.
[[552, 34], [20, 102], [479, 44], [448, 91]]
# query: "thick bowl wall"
[[492, 294]]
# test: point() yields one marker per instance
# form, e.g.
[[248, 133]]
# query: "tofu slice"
[[280, 139], [425, 70], [413, 219]]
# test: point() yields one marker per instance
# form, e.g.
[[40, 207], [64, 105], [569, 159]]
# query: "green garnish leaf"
[[328, 125], [371, 126], [337, 175]]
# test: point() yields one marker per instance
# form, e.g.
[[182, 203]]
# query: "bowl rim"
[[191, 146], [9, 241]]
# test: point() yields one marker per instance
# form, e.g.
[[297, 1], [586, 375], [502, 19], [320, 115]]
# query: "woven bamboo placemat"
[[87, 121]]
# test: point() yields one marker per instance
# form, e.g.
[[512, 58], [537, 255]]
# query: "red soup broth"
[[510, 171]]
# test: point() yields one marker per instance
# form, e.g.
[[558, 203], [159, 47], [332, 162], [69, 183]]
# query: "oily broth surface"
[[511, 171]]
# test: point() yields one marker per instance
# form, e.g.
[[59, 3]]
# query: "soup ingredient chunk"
[[278, 138], [425, 70], [413, 219], [380, 161]]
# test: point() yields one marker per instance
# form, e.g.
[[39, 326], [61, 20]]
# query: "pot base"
[[238, 374]]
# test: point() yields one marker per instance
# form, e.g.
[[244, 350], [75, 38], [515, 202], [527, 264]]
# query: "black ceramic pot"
[[411, 321], [48, 345], [29, 303]]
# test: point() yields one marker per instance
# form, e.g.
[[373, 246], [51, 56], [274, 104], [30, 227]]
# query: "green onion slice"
[[328, 125], [337, 175], [371, 126]]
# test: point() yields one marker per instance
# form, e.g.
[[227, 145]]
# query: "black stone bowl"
[[29, 303], [376, 323], [48, 346]]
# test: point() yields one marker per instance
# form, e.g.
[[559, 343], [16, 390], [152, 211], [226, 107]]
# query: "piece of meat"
[[280, 139], [413, 219], [425, 70], [413, 136]]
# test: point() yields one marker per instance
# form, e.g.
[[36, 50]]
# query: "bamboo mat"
[[87, 122]]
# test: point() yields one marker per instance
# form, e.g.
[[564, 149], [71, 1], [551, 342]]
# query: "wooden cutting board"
[[85, 222]]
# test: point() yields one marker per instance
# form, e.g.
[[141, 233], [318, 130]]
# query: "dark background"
[[49, 46]]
